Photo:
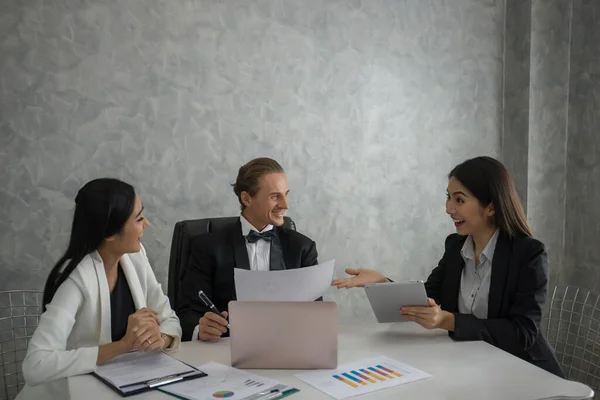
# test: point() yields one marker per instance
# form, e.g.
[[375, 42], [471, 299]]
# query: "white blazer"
[[78, 320]]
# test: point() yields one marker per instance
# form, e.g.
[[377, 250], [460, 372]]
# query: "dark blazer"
[[212, 260], [518, 289]]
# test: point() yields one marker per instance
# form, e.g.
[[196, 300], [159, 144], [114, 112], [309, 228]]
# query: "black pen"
[[209, 304]]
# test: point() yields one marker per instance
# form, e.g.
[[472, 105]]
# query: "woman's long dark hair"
[[102, 207], [490, 182]]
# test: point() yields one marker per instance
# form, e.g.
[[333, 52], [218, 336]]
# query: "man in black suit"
[[257, 241]]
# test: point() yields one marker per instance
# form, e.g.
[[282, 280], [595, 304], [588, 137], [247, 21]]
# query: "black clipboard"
[[141, 387]]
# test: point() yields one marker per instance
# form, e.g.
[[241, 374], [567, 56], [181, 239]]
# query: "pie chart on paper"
[[223, 394]]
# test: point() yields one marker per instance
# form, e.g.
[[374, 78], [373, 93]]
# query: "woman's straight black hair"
[[102, 207]]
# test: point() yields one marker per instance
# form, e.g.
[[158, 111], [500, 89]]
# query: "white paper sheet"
[[223, 382], [362, 377], [301, 284]]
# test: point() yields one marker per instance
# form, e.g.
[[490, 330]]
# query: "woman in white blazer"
[[101, 299]]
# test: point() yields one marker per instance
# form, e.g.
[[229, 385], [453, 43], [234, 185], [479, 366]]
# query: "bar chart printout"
[[362, 377]]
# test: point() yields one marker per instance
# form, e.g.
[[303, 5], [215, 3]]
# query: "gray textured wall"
[[582, 251], [515, 99], [367, 104], [564, 155], [547, 157]]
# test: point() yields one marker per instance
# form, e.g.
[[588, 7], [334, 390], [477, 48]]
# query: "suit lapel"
[[499, 274], [288, 252], [134, 282], [239, 247], [276, 260], [104, 298]]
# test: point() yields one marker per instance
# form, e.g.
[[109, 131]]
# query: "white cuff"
[[195, 334], [174, 346]]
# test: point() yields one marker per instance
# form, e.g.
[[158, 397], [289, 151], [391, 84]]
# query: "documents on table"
[[136, 372], [362, 377], [225, 382], [299, 284]]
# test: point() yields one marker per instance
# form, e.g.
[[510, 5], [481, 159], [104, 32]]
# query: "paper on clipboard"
[[134, 371]]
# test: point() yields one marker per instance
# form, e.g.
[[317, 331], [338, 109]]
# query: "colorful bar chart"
[[369, 375], [363, 376]]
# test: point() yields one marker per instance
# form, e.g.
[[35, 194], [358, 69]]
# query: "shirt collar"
[[468, 251], [247, 227], [490, 247]]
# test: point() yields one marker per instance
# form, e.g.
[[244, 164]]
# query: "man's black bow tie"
[[254, 236]]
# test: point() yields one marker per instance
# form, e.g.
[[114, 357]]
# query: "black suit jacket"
[[518, 289], [212, 260]]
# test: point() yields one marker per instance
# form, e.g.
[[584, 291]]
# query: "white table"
[[460, 370]]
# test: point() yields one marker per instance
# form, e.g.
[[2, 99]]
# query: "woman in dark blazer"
[[492, 280]]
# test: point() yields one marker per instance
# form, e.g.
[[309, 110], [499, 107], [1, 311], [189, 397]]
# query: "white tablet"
[[388, 298]]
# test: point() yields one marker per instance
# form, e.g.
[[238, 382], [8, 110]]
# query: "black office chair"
[[183, 234]]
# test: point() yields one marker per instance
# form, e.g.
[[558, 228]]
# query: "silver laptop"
[[283, 335]]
